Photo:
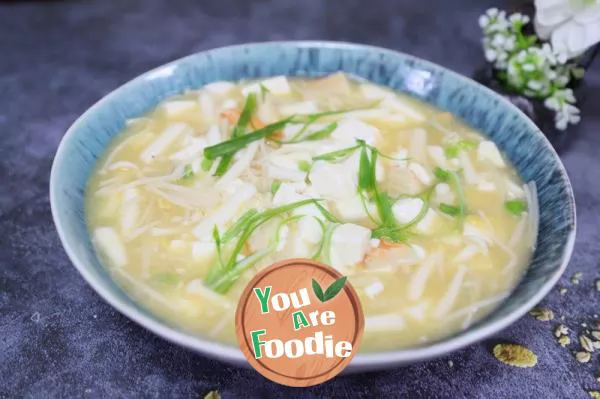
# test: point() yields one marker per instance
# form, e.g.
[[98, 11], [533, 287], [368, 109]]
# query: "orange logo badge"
[[299, 322]]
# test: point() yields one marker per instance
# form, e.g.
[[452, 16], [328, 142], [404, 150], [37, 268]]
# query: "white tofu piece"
[[406, 209], [443, 193], [350, 243], [487, 151], [513, 190], [298, 247], [178, 107], [437, 155], [336, 181], [219, 88], [299, 108], [111, 245], [349, 130], [164, 140], [204, 251], [130, 210], [276, 85], [352, 209], [374, 289], [420, 172], [486, 186], [310, 230]]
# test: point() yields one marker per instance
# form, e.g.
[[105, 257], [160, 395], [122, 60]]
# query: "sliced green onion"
[[188, 172], [275, 186], [206, 164], [232, 146], [516, 207], [304, 166], [441, 174], [335, 156], [263, 92], [238, 131], [452, 150], [449, 209], [239, 225]]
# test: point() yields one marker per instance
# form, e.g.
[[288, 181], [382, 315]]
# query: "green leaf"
[[304, 166], [441, 174], [188, 172], [322, 133], [336, 155], [364, 171], [328, 215], [238, 131], [334, 288], [239, 225], [230, 147], [516, 207], [449, 209], [318, 290], [206, 164], [263, 92], [275, 186]]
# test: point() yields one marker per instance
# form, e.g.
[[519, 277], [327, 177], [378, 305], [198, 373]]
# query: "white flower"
[[572, 26], [562, 103]]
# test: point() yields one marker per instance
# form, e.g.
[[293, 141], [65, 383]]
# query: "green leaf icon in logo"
[[330, 292]]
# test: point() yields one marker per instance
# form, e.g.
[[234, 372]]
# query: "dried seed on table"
[[596, 334], [542, 314], [561, 329], [583, 357], [594, 394], [515, 355], [564, 341], [586, 343], [597, 285], [562, 290]]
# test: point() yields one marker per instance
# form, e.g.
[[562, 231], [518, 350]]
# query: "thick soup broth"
[[433, 235]]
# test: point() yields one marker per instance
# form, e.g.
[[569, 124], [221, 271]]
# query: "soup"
[[429, 221]]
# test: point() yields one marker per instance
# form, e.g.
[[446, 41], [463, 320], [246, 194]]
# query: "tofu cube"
[[487, 151], [351, 129], [349, 245], [276, 85]]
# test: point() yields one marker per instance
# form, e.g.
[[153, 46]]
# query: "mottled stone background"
[[59, 339]]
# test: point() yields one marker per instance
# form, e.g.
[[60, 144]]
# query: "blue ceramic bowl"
[[512, 131]]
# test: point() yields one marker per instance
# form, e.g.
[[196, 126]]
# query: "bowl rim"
[[233, 355]]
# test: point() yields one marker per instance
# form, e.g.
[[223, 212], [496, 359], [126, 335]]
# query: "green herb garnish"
[[188, 172], [441, 174], [275, 186], [449, 209], [335, 156], [263, 92], [304, 166], [230, 147], [238, 131], [452, 150], [516, 206], [206, 164]]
